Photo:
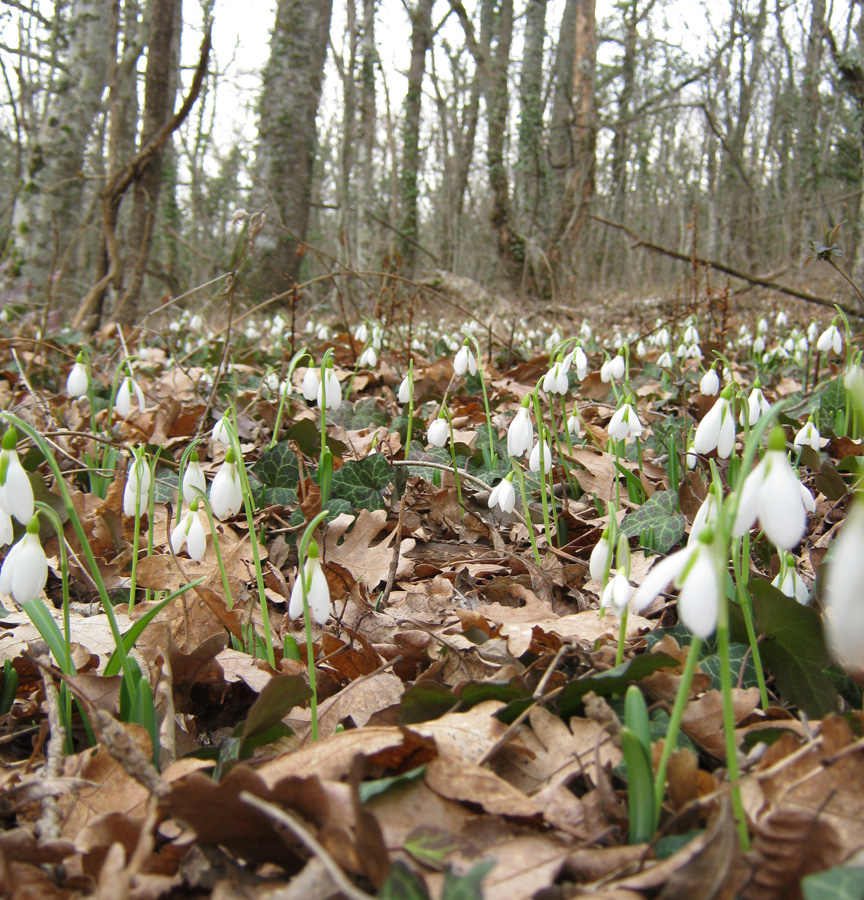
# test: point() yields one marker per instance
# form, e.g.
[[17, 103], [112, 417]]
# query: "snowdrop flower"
[[756, 407], [772, 493], [323, 333], [717, 429], [78, 382], [694, 351], [310, 326], [503, 495], [520, 434], [693, 571], [16, 491], [640, 349], [190, 531], [691, 457], [665, 360], [599, 559], [706, 515], [137, 486], [193, 477], [25, 569], [404, 394], [361, 333], [585, 331], [781, 321], [790, 583], [759, 345], [226, 492], [368, 358], [691, 335], [574, 426], [123, 400], [309, 387], [555, 381], [438, 432], [709, 386], [844, 602], [809, 436], [580, 363], [541, 458], [464, 361], [830, 339], [329, 391], [625, 423], [853, 379], [317, 589], [7, 535], [221, 432], [663, 337], [616, 594], [612, 368], [762, 327]]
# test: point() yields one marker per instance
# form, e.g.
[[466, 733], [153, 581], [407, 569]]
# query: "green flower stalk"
[[514, 463], [296, 359], [491, 456]]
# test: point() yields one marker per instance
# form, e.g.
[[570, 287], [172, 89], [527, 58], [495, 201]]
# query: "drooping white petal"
[[438, 432], [309, 387], [844, 600], [77, 384], [599, 559], [16, 494], [748, 503], [697, 602], [781, 509], [541, 458], [664, 571], [226, 493], [616, 594], [520, 434], [708, 430]]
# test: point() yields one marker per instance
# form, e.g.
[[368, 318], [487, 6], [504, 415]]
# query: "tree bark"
[[51, 196], [366, 143], [287, 137], [530, 169]]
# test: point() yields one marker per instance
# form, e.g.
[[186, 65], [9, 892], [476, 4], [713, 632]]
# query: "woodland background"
[[519, 126]]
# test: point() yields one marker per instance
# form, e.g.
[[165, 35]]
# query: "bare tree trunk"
[[366, 144], [421, 38], [52, 192], [287, 136], [160, 86], [530, 169]]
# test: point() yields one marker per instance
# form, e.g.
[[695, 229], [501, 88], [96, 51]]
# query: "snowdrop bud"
[[830, 339], [405, 390], [464, 361], [625, 423], [691, 457], [709, 386], [16, 491], [756, 406], [78, 382], [781, 321], [368, 358], [25, 569], [309, 388], [616, 594], [640, 349], [503, 495], [574, 426], [580, 363], [762, 327], [438, 432], [809, 436], [790, 583], [137, 490], [330, 390], [226, 492], [221, 432], [665, 360], [313, 579], [361, 333], [193, 478], [190, 531], [759, 345], [717, 429], [123, 400], [599, 559], [520, 434], [691, 335], [540, 457]]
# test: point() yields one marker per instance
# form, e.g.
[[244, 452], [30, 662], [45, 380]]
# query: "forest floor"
[[473, 736]]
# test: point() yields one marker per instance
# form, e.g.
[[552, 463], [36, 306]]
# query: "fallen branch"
[[728, 270]]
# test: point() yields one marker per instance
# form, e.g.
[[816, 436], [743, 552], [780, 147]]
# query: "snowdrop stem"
[[302, 552], [453, 457], [564, 420], [151, 510], [740, 553], [622, 636], [541, 437], [493, 456], [137, 466], [323, 375], [253, 538], [410, 407], [296, 359], [675, 719], [214, 534], [66, 664], [520, 476]]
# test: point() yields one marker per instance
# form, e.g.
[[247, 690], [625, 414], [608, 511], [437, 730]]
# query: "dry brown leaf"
[[457, 780], [367, 561], [703, 718], [465, 735]]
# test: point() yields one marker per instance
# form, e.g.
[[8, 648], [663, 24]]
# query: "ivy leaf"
[[362, 482], [365, 413], [657, 514], [840, 883], [278, 467]]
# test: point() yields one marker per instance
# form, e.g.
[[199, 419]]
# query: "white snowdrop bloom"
[[137, 487], [190, 531], [464, 361], [694, 572], [585, 331], [791, 583], [694, 351], [368, 358], [123, 400], [612, 368], [404, 395], [802, 345], [616, 594], [772, 493], [663, 337], [7, 535], [843, 598], [691, 335], [807, 498], [541, 458], [665, 360], [625, 423], [781, 320], [310, 326], [271, 382], [580, 363], [756, 407], [323, 333], [195, 322], [709, 386], [317, 591], [789, 345], [503, 495], [830, 339], [78, 382], [361, 333], [599, 559], [762, 327], [193, 478], [330, 391], [555, 381], [226, 491], [520, 434], [377, 336], [808, 435], [717, 429], [574, 426], [438, 432], [812, 332], [309, 386], [681, 352], [640, 349], [16, 491], [745, 339], [221, 433], [691, 457], [706, 516], [25, 570], [759, 345], [853, 379], [251, 331]]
